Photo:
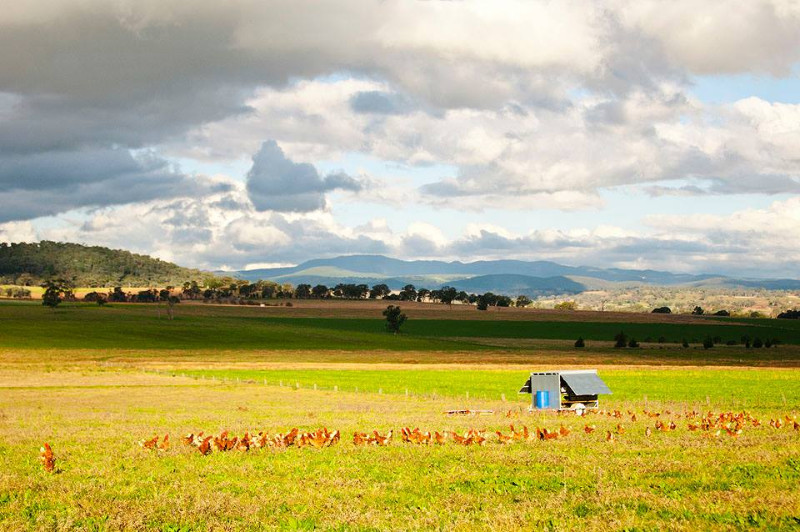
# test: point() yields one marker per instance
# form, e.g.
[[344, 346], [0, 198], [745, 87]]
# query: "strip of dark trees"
[[243, 292]]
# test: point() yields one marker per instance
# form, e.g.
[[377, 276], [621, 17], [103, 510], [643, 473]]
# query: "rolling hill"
[[95, 266]]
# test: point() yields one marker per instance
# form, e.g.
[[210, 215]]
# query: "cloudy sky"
[[247, 133]]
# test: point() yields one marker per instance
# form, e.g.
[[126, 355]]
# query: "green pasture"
[[81, 326], [94, 410], [680, 480], [720, 388]]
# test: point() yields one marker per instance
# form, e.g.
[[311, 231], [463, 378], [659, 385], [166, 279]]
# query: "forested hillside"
[[31, 264]]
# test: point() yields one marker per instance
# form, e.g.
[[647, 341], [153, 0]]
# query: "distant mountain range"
[[510, 277], [99, 267]]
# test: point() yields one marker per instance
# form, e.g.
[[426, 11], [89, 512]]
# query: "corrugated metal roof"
[[585, 383], [527, 387]]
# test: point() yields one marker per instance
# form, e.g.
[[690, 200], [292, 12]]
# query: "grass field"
[[197, 326], [677, 480], [721, 388], [95, 381]]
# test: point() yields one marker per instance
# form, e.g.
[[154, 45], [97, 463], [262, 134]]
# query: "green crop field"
[[94, 382]]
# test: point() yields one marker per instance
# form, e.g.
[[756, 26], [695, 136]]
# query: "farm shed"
[[567, 389]]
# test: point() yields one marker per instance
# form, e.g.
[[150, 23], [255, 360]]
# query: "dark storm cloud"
[[42, 184], [275, 183]]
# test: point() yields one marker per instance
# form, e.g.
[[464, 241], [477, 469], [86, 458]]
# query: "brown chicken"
[[521, 435], [47, 458], [150, 444], [502, 438], [379, 440], [205, 446]]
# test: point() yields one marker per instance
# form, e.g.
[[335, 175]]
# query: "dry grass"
[[525, 353]]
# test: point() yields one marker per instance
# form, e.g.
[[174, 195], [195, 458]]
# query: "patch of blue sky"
[[732, 87]]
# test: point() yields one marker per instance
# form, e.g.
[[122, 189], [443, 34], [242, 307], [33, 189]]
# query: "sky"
[[242, 134]]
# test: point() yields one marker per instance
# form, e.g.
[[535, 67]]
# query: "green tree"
[[53, 290], [395, 318], [698, 311], [708, 342], [620, 339], [320, 291], [503, 301], [117, 296], [580, 343], [448, 295], [192, 290], [379, 291], [490, 298], [523, 301], [303, 291], [408, 293]]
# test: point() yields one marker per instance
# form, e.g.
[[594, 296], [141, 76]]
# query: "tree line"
[[238, 291]]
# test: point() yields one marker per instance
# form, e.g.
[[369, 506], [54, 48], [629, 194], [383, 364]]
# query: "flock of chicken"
[[222, 442], [709, 424]]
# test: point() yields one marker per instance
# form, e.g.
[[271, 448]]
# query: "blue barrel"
[[542, 398]]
